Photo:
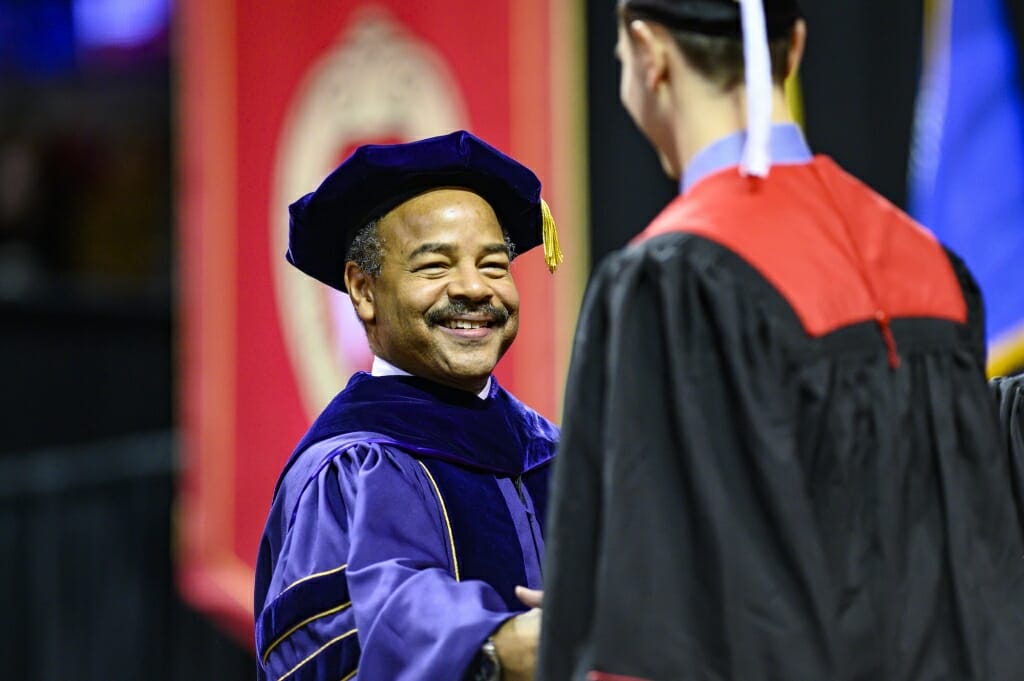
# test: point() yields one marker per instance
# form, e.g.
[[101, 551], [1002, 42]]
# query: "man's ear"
[[651, 54], [360, 291], [797, 42]]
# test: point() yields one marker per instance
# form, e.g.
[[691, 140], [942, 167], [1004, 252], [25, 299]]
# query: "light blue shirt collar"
[[787, 146]]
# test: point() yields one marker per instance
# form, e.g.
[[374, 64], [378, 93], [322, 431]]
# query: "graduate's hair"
[[718, 59]]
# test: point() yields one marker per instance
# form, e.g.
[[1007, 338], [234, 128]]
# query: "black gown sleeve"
[[571, 543], [650, 436], [975, 305], [1008, 392]]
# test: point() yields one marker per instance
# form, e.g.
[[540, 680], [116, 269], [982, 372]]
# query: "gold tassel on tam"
[[552, 251]]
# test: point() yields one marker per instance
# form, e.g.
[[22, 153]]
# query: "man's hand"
[[516, 644]]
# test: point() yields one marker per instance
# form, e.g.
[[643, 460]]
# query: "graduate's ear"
[[651, 52], [360, 291], [797, 42]]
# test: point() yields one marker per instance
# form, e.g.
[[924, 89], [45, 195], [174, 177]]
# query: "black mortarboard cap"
[[714, 17], [378, 177]]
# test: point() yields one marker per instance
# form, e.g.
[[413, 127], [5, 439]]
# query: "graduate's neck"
[[707, 118]]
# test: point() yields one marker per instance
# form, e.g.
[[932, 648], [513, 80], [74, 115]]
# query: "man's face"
[[444, 306]]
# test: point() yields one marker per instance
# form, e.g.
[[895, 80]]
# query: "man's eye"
[[495, 265], [430, 267]]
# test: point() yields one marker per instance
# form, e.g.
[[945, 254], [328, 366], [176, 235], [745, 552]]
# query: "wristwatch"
[[488, 665]]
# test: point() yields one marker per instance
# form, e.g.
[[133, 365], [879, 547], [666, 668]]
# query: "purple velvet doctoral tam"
[[399, 530]]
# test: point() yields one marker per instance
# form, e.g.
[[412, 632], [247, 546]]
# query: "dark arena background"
[[158, 360]]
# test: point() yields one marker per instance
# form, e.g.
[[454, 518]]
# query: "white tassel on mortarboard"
[[756, 159]]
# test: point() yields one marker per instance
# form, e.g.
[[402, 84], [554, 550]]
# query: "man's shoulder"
[[533, 423], [672, 252], [500, 433], [311, 459], [343, 443]]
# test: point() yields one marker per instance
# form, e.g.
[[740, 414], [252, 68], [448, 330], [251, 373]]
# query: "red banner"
[[273, 95]]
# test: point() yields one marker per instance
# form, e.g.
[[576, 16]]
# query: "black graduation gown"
[[1009, 394], [738, 498]]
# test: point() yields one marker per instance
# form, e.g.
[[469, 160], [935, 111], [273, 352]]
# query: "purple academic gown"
[[399, 530]]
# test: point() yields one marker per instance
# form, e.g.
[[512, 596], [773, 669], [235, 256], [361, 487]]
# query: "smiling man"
[[412, 510]]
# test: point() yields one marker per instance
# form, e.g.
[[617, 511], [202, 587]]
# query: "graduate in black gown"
[[780, 459]]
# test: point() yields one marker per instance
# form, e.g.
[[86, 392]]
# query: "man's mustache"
[[456, 308]]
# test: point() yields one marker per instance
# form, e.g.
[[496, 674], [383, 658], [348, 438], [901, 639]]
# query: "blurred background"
[[156, 360]]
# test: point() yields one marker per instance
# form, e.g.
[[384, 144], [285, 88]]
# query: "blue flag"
[[967, 164]]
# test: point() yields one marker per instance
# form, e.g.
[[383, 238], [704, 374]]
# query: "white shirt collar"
[[382, 367]]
